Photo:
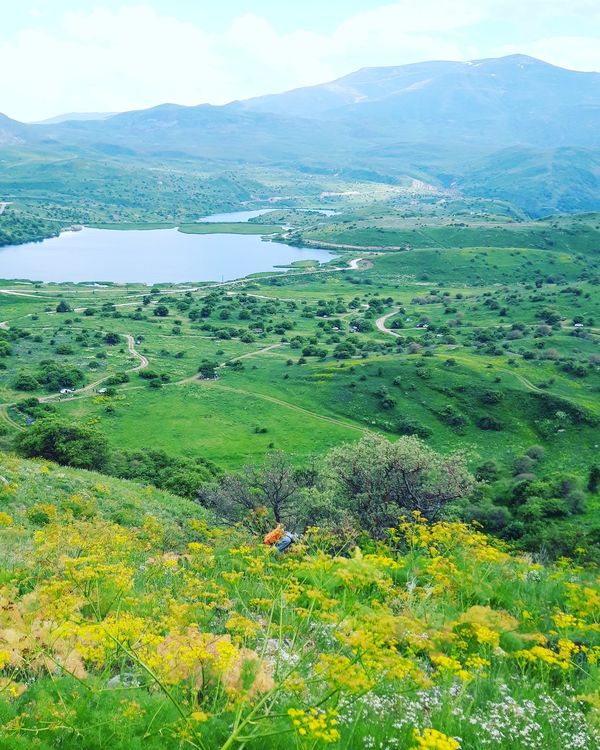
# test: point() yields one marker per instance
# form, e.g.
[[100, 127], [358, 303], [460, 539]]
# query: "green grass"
[[210, 420], [131, 226], [130, 620], [471, 299], [541, 235], [229, 228]]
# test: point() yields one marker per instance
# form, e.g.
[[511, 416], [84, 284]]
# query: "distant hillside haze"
[[508, 101], [69, 116], [514, 128], [12, 132]]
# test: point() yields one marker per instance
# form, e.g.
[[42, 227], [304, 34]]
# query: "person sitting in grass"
[[280, 538]]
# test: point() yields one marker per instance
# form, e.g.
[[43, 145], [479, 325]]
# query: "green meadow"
[[488, 344]]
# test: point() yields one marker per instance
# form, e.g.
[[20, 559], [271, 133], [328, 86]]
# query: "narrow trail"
[[380, 323], [14, 293], [194, 378], [88, 390], [7, 418], [498, 368], [285, 404], [522, 379], [134, 353]]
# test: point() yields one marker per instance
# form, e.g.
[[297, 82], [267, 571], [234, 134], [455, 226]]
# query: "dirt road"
[[380, 323]]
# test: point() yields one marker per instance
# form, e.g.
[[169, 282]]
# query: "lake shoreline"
[[148, 254]]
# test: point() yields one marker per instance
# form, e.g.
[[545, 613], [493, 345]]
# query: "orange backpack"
[[274, 536]]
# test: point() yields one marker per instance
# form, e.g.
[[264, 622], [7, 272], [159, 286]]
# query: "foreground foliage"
[[156, 629]]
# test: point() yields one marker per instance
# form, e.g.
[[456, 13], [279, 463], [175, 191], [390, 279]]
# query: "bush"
[[453, 418], [522, 465], [55, 375], [536, 452], [487, 472], [117, 379], [489, 423], [64, 349], [538, 508], [25, 382], [407, 426], [182, 476], [375, 481], [65, 443], [491, 397]]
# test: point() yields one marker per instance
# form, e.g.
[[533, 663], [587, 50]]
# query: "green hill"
[[129, 620]]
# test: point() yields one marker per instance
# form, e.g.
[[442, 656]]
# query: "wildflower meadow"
[[130, 619]]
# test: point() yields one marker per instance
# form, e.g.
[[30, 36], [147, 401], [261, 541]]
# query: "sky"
[[59, 56]]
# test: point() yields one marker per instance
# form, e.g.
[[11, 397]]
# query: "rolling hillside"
[[510, 100], [131, 620], [513, 128]]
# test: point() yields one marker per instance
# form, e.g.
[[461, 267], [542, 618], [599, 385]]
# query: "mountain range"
[[511, 127]]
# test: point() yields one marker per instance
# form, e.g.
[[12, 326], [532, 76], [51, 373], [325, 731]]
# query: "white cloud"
[[105, 60], [134, 57]]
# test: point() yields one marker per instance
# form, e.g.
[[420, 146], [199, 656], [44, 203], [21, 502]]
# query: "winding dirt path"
[[4, 414], [285, 404], [88, 390], [134, 353], [195, 378], [380, 323]]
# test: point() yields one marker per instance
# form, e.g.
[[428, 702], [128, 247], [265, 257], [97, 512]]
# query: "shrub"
[[375, 480], [57, 440], [25, 382], [489, 423]]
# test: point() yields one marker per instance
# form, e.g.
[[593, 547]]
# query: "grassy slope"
[[115, 632], [229, 228], [29, 482]]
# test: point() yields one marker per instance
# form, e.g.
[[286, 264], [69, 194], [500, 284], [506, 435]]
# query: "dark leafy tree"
[[378, 481], [66, 443]]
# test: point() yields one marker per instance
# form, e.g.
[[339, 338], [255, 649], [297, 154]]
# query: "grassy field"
[[229, 228], [491, 348], [195, 228]]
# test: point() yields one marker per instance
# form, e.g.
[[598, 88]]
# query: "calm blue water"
[[242, 216], [150, 257]]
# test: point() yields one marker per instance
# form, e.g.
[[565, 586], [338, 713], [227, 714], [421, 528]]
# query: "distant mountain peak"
[[75, 117]]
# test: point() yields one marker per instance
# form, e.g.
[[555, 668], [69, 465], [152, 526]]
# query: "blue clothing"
[[284, 542]]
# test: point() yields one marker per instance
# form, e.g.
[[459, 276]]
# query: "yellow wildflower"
[[315, 724], [431, 739], [242, 626]]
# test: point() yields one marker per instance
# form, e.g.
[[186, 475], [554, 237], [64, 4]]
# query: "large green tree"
[[376, 481], [73, 445]]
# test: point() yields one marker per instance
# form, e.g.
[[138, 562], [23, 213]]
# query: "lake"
[[150, 256], [242, 216]]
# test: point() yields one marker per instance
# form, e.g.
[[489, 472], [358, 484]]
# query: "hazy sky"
[[110, 55]]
